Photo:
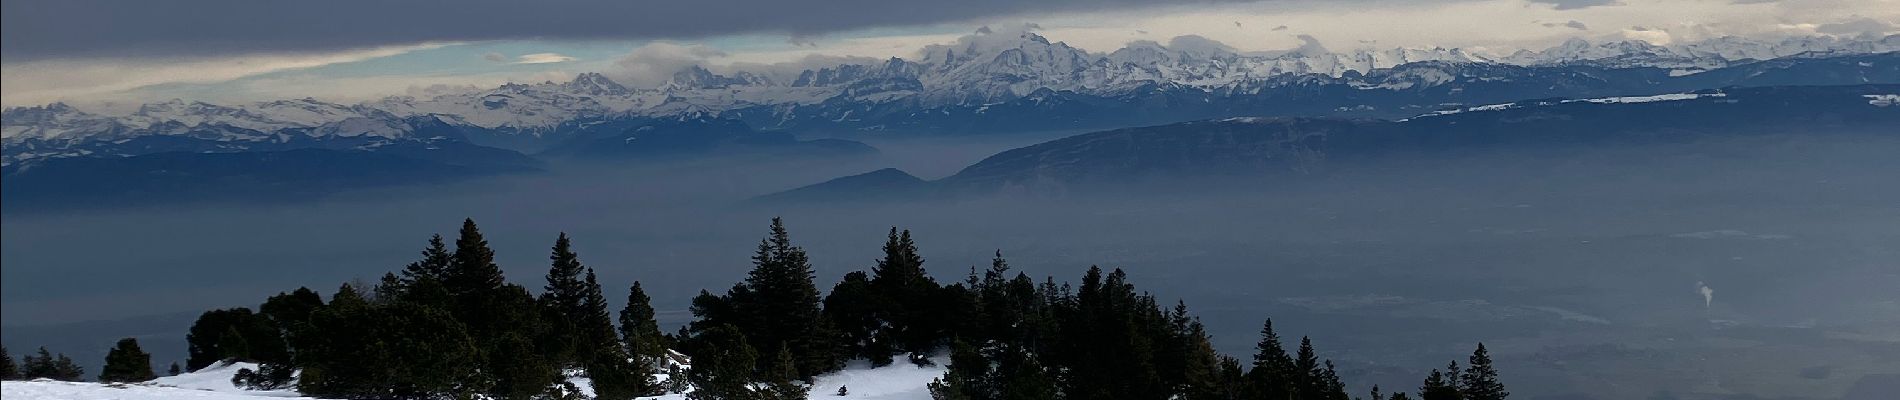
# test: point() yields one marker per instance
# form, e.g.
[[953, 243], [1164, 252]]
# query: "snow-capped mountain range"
[[985, 75]]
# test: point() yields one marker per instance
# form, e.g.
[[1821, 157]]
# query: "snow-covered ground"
[[217, 378], [901, 381], [54, 390]]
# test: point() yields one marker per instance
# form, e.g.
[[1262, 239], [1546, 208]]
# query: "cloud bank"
[[31, 30]]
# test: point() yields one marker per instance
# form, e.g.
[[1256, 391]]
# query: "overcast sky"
[[120, 52]]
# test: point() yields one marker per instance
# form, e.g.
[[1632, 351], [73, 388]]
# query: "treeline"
[[126, 362], [448, 325], [451, 326]]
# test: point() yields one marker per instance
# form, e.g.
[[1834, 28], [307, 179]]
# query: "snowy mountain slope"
[[1708, 54]]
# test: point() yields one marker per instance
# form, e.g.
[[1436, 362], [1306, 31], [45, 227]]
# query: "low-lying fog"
[[1584, 271]]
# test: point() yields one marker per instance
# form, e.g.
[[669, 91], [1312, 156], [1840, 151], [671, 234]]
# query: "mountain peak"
[[986, 43], [697, 77], [593, 83]]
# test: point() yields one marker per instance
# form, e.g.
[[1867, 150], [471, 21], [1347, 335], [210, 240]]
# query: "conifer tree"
[[127, 363], [777, 303], [563, 299], [1331, 387], [400, 350], [1400, 396], [64, 369], [615, 377], [1480, 379], [781, 380], [503, 318], [1002, 309], [234, 345], [907, 295], [49, 366], [957, 315], [506, 334], [1202, 376], [232, 333], [722, 365], [435, 263], [615, 373], [1274, 375], [472, 269], [1020, 377], [1233, 380], [423, 281], [1454, 376], [851, 308], [1308, 366], [596, 323], [1112, 341], [174, 370], [289, 316], [35, 366], [8, 369], [640, 331], [968, 377], [1438, 386], [347, 296], [388, 289]]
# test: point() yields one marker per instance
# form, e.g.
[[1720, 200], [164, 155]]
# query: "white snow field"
[[54, 390], [901, 381]]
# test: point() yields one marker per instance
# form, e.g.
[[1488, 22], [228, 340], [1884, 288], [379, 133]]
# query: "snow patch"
[[1651, 99], [1604, 100], [901, 381]]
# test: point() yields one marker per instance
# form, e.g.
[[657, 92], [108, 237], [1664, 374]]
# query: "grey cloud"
[[788, 71], [1856, 26], [802, 40], [1309, 46], [495, 57], [1576, 4], [653, 64], [1573, 24], [43, 29], [1280, 28], [1200, 44]]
